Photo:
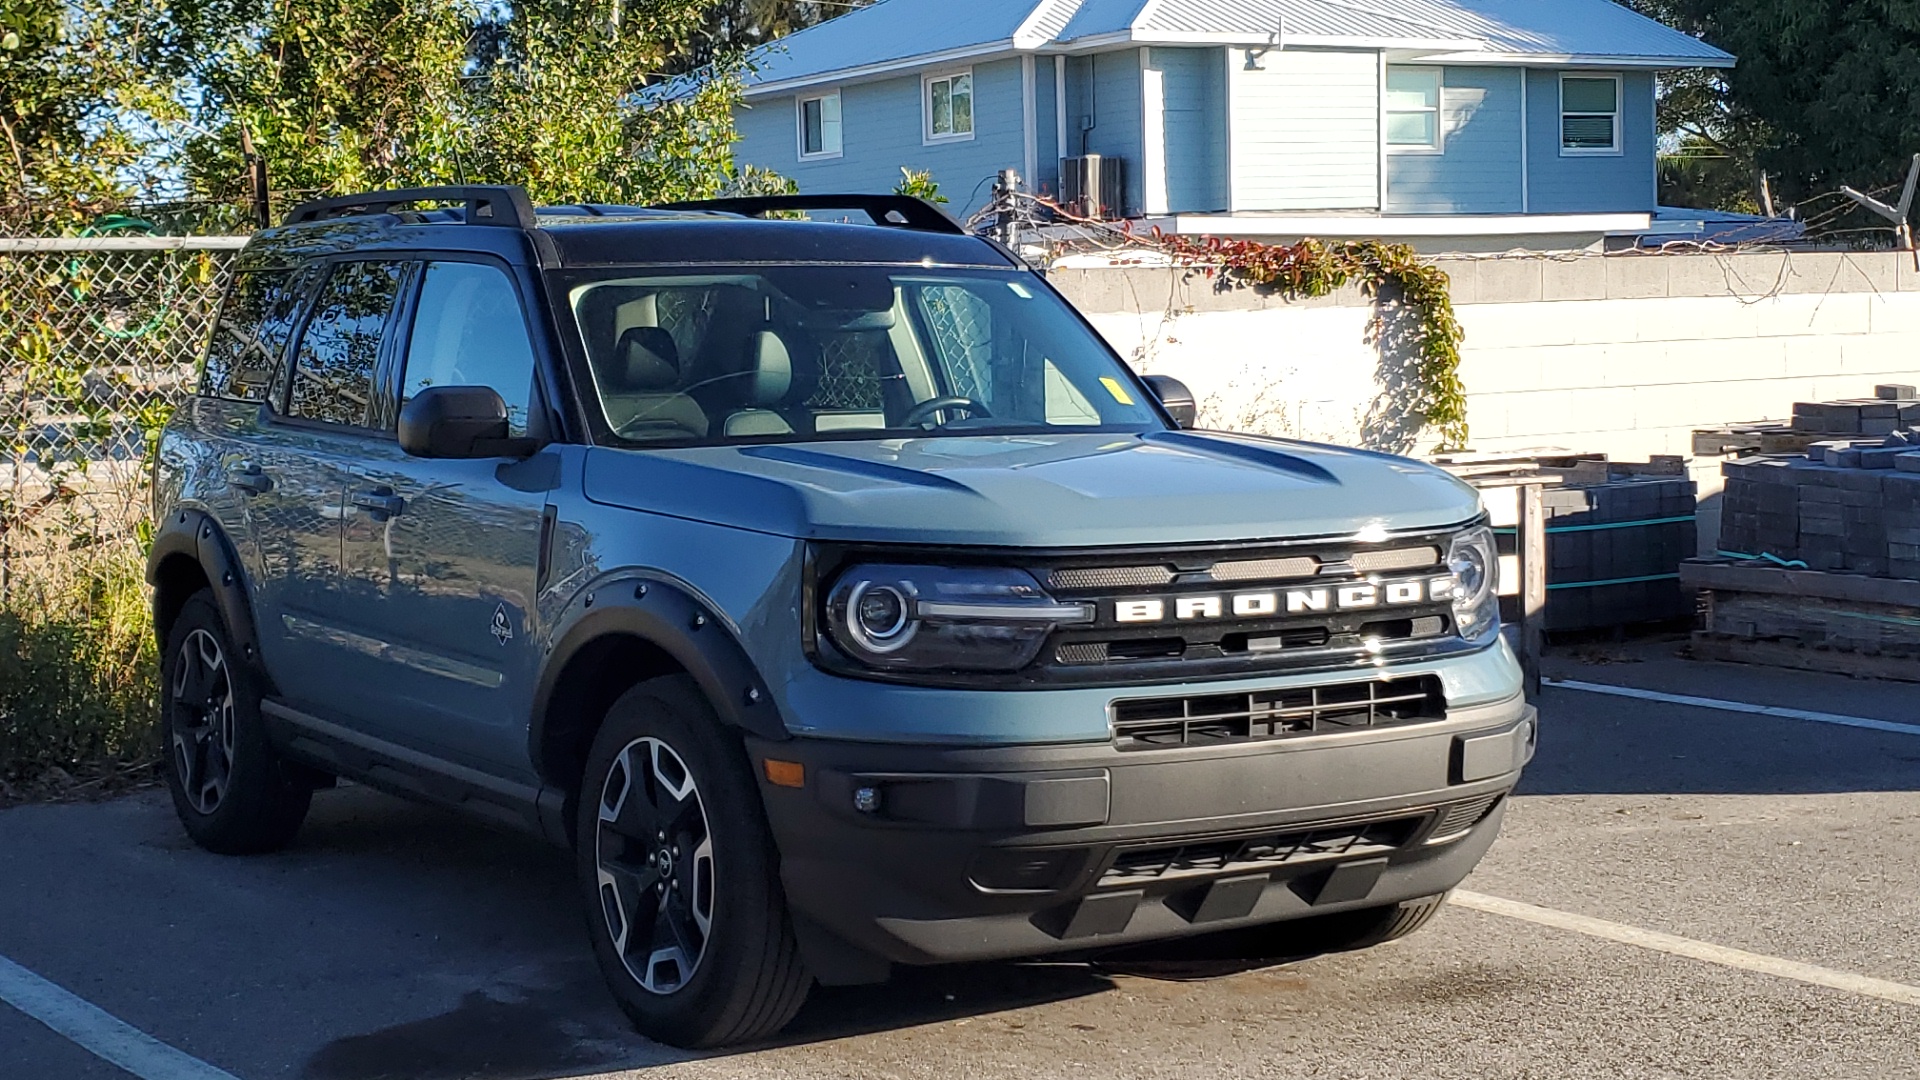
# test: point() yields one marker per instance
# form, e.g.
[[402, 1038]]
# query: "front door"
[[448, 551], [297, 470]]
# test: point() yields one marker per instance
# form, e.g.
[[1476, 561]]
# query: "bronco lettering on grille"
[[1358, 596]]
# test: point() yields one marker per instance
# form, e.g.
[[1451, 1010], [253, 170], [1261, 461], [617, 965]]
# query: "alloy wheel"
[[653, 853], [202, 721]]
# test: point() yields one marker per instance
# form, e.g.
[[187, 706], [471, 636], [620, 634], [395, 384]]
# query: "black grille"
[[1140, 865], [1462, 816], [1211, 719]]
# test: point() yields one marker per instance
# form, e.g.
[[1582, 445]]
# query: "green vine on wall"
[[1313, 268]]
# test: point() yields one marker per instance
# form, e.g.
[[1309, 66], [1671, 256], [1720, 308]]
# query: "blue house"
[[1460, 122]]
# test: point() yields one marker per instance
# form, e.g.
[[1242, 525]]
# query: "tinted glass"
[[1587, 95], [468, 331], [251, 335], [805, 352], [333, 367]]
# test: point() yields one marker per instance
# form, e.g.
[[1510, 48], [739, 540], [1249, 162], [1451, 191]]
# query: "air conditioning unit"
[[1094, 186]]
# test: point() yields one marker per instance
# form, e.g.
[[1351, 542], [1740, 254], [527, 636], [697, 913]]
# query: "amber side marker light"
[[786, 773]]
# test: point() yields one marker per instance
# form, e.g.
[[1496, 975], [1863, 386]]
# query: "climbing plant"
[[1315, 268]]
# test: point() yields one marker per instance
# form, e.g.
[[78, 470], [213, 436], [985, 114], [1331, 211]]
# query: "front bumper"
[[992, 853]]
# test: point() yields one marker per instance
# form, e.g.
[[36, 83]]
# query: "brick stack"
[[1614, 549], [1854, 514], [1893, 407]]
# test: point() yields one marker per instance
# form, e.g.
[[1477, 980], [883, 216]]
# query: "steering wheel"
[[921, 413]]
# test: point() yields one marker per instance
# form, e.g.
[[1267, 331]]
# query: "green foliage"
[[919, 184], [1828, 91], [1699, 174], [77, 669], [729, 26], [1315, 268], [68, 80]]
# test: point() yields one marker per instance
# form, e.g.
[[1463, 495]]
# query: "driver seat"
[[640, 400]]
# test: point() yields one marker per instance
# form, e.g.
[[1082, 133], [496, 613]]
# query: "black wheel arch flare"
[[196, 535], [671, 617]]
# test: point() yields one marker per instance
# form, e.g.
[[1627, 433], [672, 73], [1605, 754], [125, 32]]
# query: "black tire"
[[231, 789], [697, 839]]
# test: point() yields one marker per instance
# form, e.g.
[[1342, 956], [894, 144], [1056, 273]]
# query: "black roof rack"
[[489, 204], [897, 211]]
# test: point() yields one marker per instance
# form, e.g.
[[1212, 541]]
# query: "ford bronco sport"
[[829, 586]]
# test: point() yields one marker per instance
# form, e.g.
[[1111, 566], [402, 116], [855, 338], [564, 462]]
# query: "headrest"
[[648, 359], [770, 371]]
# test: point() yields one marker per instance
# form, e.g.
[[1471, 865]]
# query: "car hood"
[[1053, 490]]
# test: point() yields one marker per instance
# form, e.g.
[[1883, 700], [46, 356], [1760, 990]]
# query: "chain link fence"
[[98, 339]]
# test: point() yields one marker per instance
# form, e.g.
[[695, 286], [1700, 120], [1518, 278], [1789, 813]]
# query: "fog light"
[[866, 799]]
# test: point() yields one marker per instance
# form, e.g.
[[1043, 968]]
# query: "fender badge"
[[502, 628]]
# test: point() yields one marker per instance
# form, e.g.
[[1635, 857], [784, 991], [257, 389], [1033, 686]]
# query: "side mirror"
[[459, 422], [1175, 398]]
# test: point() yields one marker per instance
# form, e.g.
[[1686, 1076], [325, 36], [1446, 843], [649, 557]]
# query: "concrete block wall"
[[1624, 354]]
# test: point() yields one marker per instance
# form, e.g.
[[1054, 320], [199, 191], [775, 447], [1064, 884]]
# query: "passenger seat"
[[767, 384]]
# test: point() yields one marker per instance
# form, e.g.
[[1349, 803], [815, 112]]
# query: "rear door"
[[307, 449], [448, 551]]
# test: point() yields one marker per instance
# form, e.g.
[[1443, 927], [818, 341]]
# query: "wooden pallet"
[[1738, 439], [1850, 624]]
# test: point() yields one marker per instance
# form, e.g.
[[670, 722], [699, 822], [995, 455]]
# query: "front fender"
[[673, 617], [196, 535]]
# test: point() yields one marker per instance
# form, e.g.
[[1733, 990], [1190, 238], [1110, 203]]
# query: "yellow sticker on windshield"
[[1113, 387]]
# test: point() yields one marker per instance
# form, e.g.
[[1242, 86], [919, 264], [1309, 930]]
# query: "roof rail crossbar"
[[895, 211], [486, 204]]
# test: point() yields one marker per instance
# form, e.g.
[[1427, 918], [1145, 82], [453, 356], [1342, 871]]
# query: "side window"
[[333, 366], [251, 335], [468, 330]]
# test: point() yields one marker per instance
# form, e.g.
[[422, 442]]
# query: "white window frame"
[[1619, 115], [800, 127], [1439, 144], [927, 136]]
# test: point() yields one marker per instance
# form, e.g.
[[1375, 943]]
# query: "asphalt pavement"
[[397, 941]]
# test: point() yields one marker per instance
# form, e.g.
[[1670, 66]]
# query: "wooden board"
[[1799, 657]]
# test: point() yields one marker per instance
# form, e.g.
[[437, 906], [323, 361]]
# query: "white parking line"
[[105, 1036], [1863, 985], [1737, 706]]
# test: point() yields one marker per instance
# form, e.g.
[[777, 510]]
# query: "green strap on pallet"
[[1509, 530], [1613, 581]]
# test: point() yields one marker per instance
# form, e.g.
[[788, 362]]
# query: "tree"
[[1834, 85], [69, 81], [729, 27]]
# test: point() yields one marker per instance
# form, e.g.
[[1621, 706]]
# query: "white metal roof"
[[894, 35]]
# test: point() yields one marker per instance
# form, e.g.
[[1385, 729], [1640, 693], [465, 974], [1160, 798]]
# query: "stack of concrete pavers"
[[1893, 407], [1845, 509]]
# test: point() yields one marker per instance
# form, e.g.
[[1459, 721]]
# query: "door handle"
[[380, 503], [250, 478]]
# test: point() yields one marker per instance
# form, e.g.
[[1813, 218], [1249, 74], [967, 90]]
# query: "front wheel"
[[678, 871], [231, 789]]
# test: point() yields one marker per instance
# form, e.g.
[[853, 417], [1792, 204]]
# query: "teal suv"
[[817, 575]]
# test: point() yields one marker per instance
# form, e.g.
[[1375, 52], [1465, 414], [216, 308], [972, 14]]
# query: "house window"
[[820, 126], [950, 107], [1589, 114], [1413, 108]]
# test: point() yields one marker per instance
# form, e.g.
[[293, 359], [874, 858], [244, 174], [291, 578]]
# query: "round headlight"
[[1471, 574], [878, 616]]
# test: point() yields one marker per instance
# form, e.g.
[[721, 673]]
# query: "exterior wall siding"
[[1305, 130], [1103, 90], [881, 132], [1194, 123], [1478, 168], [1589, 183]]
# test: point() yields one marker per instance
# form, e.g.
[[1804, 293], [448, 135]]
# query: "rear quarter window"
[[250, 336]]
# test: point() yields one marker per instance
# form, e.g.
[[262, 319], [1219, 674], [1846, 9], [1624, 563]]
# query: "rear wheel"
[[231, 789], [679, 876]]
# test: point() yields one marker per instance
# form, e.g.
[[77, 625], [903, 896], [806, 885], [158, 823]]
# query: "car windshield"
[[782, 354]]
